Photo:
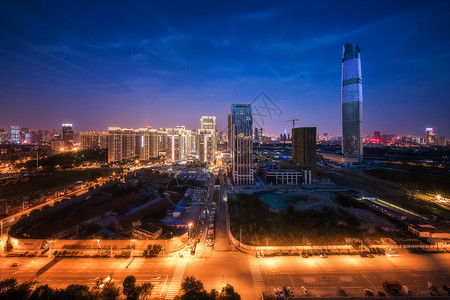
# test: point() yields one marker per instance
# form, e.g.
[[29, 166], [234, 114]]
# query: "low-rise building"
[[429, 231], [145, 231]]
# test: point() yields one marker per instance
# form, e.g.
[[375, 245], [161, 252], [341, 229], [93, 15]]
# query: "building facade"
[[304, 146], [14, 134], [207, 139], [94, 140], [67, 136], [352, 101], [242, 144]]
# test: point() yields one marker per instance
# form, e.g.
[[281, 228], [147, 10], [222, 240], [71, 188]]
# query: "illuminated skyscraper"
[[14, 134], [242, 144], [207, 142], [67, 136], [352, 99], [431, 137]]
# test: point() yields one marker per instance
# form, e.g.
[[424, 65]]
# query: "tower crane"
[[293, 122]]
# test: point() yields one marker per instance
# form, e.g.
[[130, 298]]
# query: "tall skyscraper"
[[179, 144], [67, 136], [242, 144], [207, 141], [304, 147], [430, 136], [352, 99], [14, 134], [229, 127]]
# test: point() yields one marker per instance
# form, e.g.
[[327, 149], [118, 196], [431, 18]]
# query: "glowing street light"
[[189, 235]]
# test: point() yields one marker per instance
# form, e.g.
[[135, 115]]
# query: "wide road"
[[248, 274]]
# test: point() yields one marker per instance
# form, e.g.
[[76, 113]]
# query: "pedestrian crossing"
[[175, 284], [258, 282]]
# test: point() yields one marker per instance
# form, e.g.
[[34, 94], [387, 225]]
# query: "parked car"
[[445, 288], [289, 292], [368, 292], [275, 292], [16, 264], [323, 256], [280, 292], [381, 294], [341, 291], [305, 255], [305, 291], [209, 244], [430, 285], [406, 290]]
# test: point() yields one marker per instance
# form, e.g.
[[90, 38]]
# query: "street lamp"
[[189, 235]]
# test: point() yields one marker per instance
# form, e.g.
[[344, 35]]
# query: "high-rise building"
[[206, 139], [94, 140], [14, 134], [3, 135], [242, 144], [179, 144], [304, 147], [430, 136], [229, 127], [352, 99], [67, 136], [148, 143]]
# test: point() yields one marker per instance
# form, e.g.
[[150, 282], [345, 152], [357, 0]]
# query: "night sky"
[[131, 64]]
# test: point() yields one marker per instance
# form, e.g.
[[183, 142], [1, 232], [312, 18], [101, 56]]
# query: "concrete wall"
[[170, 245]]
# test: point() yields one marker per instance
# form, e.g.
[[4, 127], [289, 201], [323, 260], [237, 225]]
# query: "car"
[[323, 256], [430, 285], [209, 244], [391, 255], [280, 292], [257, 254], [368, 292], [275, 292], [16, 264], [445, 288], [406, 290], [305, 290], [381, 294], [289, 292], [371, 256], [341, 291], [305, 255]]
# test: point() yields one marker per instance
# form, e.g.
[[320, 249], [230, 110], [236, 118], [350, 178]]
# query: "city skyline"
[[167, 66]]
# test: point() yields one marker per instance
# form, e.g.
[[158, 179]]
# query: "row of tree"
[[107, 290]]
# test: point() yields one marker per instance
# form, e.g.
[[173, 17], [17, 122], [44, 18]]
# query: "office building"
[[14, 134], [3, 135], [352, 101], [67, 136], [430, 136], [242, 144], [304, 147], [229, 127]]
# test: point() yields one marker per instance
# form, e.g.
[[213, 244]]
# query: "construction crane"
[[293, 122]]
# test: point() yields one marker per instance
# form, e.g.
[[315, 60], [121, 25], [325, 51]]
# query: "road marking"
[[175, 284], [258, 282]]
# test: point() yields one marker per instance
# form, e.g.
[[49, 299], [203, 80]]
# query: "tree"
[[76, 291], [228, 293], [145, 290], [7, 284], [129, 287], [43, 292], [109, 291], [193, 289]]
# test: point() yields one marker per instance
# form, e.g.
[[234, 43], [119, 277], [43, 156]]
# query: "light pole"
[[189, 234]]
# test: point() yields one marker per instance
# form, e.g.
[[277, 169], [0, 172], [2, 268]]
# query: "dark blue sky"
[[131, 64]]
